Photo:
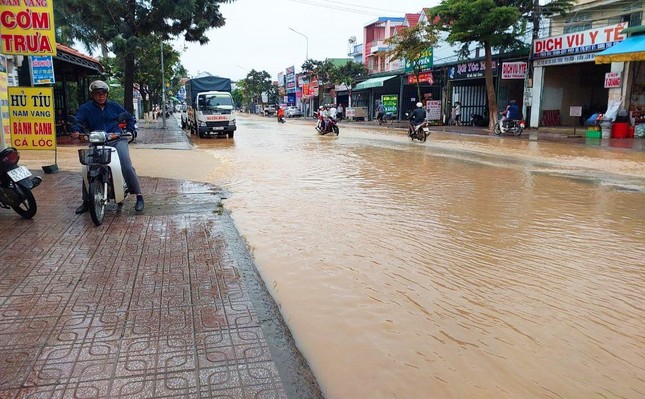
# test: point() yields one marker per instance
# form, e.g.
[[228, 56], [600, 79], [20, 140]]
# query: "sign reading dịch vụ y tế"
[[31, 114], [27, 27]]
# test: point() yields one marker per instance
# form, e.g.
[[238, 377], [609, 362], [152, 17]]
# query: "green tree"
[[124, 24], [412, 43], [256, 83], [483, 22], [147, 71], [349, 73], [325, 71]]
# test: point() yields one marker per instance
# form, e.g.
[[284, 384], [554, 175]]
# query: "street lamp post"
[[306, 38], [307, 53]]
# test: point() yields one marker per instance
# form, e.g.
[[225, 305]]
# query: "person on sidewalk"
[[457, 113], [339, 112], [103, 114], [380, 113]]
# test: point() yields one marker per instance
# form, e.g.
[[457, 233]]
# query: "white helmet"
[[99, 85], [419, 105], [321, 107]]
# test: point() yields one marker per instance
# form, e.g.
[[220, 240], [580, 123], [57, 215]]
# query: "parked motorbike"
[[103, 179], [16, 183], [509, 126], [330, 125]]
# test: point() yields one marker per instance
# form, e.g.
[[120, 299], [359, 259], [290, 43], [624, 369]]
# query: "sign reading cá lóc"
[[31, 115]]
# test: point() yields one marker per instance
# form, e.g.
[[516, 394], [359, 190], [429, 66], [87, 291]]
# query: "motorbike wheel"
[[497, 129], [422, 135], [336, 130], [97, 196], [517, 131], [27, 208]]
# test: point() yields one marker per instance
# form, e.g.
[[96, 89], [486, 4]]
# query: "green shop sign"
[[391, 103], [424, 62]]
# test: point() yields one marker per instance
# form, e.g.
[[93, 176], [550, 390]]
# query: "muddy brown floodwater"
[[465, 267]]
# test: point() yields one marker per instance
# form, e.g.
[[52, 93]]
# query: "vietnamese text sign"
[[423, 77], [42, 69], [391, 103], [27, 27], [4, 101], [612, 79], [513, 70], [31, 111], [470, 70], [433, 110], [423, 63], [579, 42]]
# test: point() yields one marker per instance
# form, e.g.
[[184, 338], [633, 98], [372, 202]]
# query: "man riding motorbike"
[[103, 114], [511, 113], [417, 117]]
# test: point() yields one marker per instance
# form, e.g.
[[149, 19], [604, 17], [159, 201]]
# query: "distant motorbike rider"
[[511, 113], [280, 114], [103, 114], [418, 116]]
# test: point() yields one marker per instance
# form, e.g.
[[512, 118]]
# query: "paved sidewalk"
[[166, 304]]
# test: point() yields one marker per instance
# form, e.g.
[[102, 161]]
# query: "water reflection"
[[468, 267]]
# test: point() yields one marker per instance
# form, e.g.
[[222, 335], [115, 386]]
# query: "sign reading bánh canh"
[[31, 114], [27, 27]]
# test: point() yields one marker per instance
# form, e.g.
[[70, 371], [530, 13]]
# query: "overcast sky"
[[257, 35]]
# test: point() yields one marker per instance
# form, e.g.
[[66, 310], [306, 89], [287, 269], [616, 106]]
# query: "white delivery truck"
[[210, 107]]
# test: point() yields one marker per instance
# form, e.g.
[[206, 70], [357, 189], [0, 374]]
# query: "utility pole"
[[163, 91]]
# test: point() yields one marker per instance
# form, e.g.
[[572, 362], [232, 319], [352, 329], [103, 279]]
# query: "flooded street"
[[465, 267]]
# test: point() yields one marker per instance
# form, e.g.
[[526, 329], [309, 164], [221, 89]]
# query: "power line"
[[347, 7]]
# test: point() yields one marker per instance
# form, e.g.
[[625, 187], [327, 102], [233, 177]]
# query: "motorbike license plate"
[[21, 172]]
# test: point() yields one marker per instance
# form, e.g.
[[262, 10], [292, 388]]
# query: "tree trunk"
[[128, 62], [128, 83], [490, 88]]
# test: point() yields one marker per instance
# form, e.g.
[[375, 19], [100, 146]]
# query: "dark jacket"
[[418, 116], [513, 112], [92, 117]]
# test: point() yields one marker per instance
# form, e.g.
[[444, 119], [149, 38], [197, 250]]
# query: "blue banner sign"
[[42, 70]]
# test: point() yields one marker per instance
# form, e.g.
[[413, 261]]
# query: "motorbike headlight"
[[97, 137]]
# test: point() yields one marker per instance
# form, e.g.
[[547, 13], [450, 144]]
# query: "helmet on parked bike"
[[419, 105], [99, 85]]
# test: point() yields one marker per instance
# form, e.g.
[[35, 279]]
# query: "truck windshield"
[[215, 102]]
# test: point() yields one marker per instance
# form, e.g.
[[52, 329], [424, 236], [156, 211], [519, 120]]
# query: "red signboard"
[[423, 77]]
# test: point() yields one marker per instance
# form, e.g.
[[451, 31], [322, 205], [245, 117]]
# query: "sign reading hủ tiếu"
[[31, 113]]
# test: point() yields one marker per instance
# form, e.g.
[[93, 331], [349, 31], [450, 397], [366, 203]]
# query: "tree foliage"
[[256, 83], [123, 25], [484, 22], [412, 43]]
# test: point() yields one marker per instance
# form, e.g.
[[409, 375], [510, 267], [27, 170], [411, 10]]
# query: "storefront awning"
[[374, 82], [630, 49]]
